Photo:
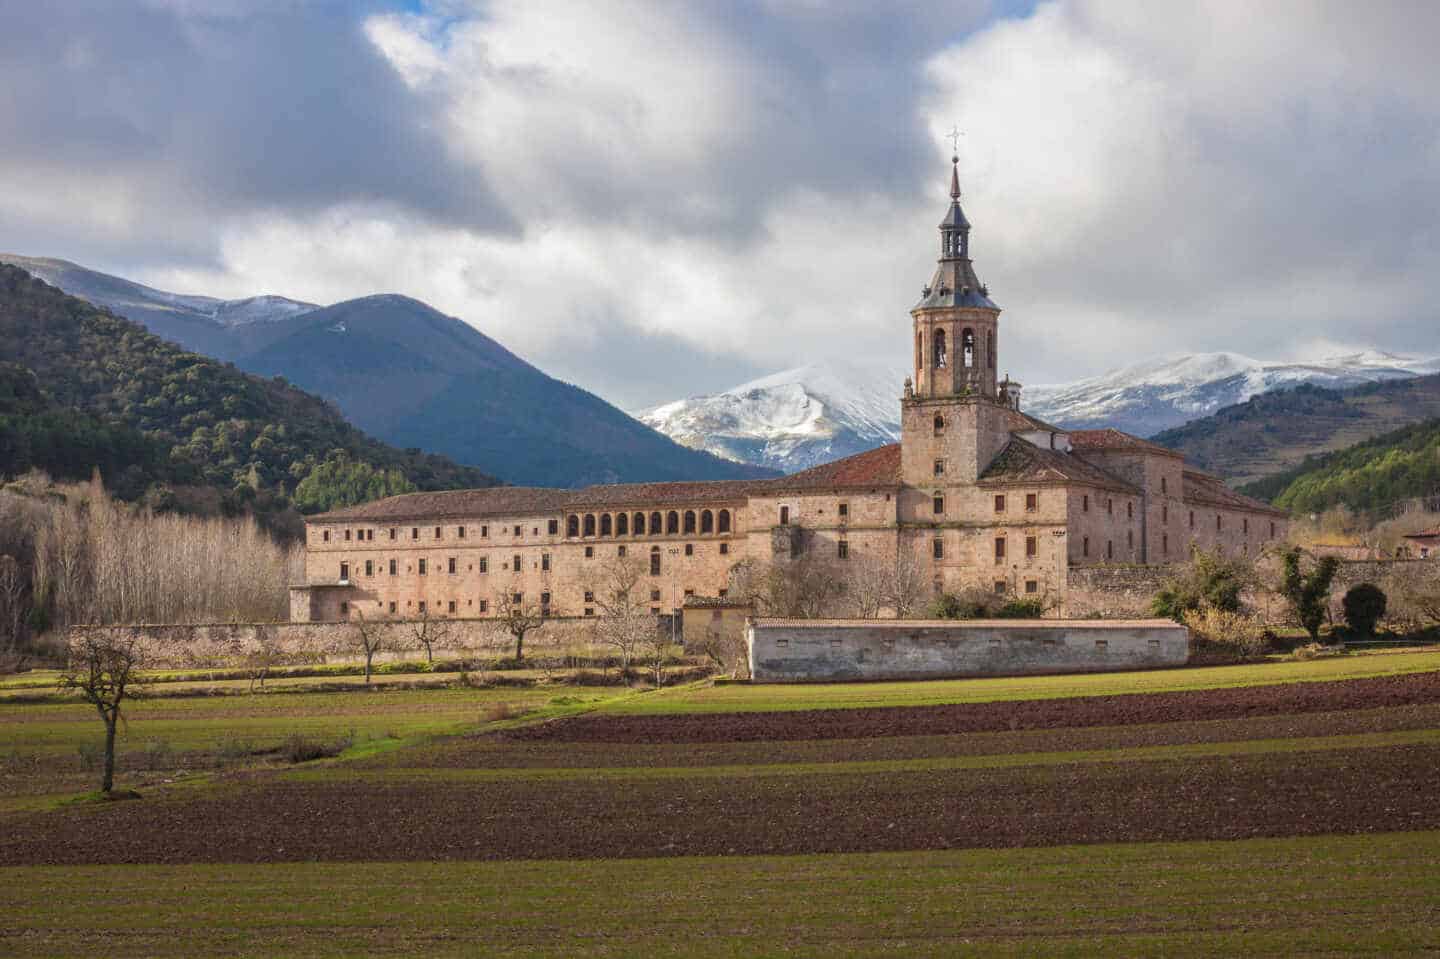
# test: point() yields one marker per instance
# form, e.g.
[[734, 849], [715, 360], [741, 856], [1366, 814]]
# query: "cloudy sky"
[[654, 200]]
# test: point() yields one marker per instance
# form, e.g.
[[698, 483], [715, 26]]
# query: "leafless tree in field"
[[518, 617], [103, 666], [370, 637], [14, 586], [624, 622], [427, 632]]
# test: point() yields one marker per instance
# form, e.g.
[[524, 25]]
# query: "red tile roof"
[[1212, 491], [1023, 461], [1112, 439], [874, 468]]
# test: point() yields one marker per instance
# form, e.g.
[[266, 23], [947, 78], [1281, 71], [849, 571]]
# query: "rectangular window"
[[1130, 539], [515, 562], [517, 598], [414, 532], [1164, 542], [620, 551], [393, 565], [654, 610], [589, 596], [939, 467], [552, 527], [347, 536], [1162, 484], [589, 552], [344, 572], [1085, 503], [1272, 528], [1110, 507], [344, 608], [938, 549], [1245, 526], [545, 562], [1217, 521], [999, 549], [1165, 514], [939, 505], [325, 535], [460, 532], [1032, 546], [1032, 586], [369, 568], [484, 605], [393, 531], [1085, 546], [689, 549], [422, 567], [842, 549], [999, 502], [724, 549], [484, 564], [724, 593], [1109, 549], [450, 566], [422, 605], [437, 532], [654, 595], [1192, 519], [784, 516], [392, 607], [1032, 502], [689, 592], [1129, 510], [655, 563], [844, 510], [517, 529], [450, 607], [484, 531], [589, 611]]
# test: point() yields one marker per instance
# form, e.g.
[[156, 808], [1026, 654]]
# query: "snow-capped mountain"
[[1157, 394], [798, 418], [792, 419]]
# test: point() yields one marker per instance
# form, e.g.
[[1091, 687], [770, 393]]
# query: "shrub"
[[1364, 606], [495, 712], [89, 755], [230, 750], [1021, 609], [300, 748], [1234, 634], [1210, 580], [475, 680], [970, 604], [1307, 593]]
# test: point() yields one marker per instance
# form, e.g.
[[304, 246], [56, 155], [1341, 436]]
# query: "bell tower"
[[953, 420], [955, 323]]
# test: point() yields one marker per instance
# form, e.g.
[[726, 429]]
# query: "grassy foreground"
[[746, 698], [1333, 895]]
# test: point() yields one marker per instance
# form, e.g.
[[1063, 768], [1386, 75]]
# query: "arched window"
[[724, 521], [967, 347], [589, 524], [637, 524], [939, 424], [919, 351], [940, 358], [622, 524], [672, 522], [572, 525], [654, 561], [655, 524], [707, 521], [990, 351], [606, 524], [689, 521]]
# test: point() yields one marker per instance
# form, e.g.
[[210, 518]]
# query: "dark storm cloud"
[[225, 110]]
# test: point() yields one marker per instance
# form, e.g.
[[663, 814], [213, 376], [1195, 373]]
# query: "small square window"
[[782, 643], [836, 643], [1032, 586], [589, 552], [484, 605], [689, 549], [654, 595], [589, 596], [620, 551], [1000, 587], [724, 549], [589, 611]]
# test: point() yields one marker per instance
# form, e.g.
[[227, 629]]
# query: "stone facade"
[[839, 650], [977, 495]]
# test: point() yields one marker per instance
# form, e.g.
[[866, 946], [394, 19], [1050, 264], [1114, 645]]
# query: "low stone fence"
[[799, 651], [214, 645], [1112, 591]]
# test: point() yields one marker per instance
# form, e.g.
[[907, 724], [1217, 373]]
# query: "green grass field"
[[1334, 895]]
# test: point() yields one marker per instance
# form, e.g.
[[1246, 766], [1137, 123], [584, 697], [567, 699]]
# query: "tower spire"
[[955, 177]]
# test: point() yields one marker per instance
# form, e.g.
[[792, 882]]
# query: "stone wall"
[[215, 645], [797, 651], [1112, 591]]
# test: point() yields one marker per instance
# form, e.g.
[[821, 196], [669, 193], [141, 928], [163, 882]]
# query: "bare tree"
[[519, 617], [370, 637], [907, 586], [102, 667], [876, 586], [655, 650], [14, 587], [625, 621], [429, 631], [261, 654], [802, 588]]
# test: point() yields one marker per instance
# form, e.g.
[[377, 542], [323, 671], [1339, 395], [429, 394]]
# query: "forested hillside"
[[1368, 476], [1273, 433], [82, 388]]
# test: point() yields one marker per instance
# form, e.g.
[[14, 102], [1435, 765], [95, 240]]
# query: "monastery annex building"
[[977, 493]]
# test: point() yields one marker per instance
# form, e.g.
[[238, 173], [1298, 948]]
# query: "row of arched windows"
[[671, 523]]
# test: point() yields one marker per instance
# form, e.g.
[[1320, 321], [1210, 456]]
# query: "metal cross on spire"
[[955, 134]]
